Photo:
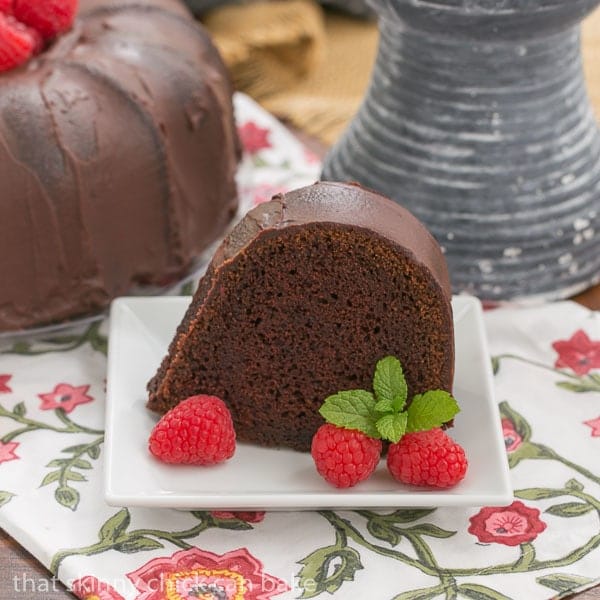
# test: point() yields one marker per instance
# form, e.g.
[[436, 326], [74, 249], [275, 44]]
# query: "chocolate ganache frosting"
[[118, 152], [300, 301], [343, 203]]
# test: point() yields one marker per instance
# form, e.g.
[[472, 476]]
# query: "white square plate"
[[260, 478]]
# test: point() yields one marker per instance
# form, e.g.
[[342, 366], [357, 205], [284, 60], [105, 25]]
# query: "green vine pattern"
[[67, 469], [188, 288], [18, 414], [5, 497], [327, 569], [115, 535], [401, 537], [564, 583], [316, 567], [573, 383], [531, 450], [63, 343]]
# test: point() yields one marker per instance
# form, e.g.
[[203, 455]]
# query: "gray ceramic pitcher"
[[477, 119]]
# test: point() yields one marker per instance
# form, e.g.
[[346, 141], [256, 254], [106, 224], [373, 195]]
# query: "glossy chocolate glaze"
[[117, 160], [346, 203]]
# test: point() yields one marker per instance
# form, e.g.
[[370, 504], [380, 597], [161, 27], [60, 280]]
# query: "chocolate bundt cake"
[[117, 159], [300, 301]]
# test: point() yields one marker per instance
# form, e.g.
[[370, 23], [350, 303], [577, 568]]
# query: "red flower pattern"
[[4, 379], [512, 440], [248, 516], [7, 451], [509, 525], [89, 588], [310, 157], [253, 137], [65, 396], [595, 425], [235, 575], [578, 353]]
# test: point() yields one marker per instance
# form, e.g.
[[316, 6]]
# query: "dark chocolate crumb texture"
[[300, 301]]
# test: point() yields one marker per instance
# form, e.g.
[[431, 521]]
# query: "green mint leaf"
[[431, 409], [393, 426], [389, 384], [351, 409], [384, 406]]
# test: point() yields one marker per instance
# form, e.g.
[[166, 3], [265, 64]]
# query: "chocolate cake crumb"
[[297, 306]]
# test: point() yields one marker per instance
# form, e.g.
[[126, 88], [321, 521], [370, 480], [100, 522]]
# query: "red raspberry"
[[17, 43], [6, 7], [198, 431], [427, 458], [48, 17], [344, 456]]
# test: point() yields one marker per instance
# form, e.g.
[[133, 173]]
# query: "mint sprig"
[[352, 409], [389, 385], [392, 426], [431, 409], [382, 414]]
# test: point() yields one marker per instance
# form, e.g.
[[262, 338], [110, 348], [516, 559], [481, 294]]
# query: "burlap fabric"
[[310, 66]]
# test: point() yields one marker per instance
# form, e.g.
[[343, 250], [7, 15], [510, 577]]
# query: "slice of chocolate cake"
[[300, 301]]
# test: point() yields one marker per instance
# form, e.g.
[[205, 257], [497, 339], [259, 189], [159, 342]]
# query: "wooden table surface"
[[23, 578]]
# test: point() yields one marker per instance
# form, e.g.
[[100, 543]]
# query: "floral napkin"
[[545, 544]]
